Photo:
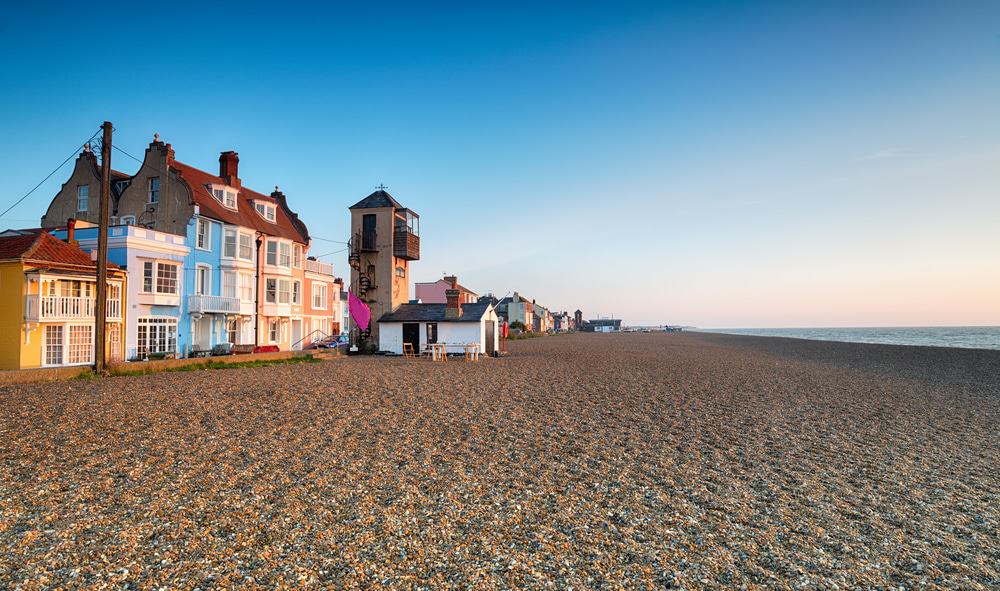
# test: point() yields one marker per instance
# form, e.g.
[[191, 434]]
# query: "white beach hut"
[[454, 325]]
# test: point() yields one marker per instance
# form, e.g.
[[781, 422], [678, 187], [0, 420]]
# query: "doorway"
[[491, 330], [296, 334], [411, 334]]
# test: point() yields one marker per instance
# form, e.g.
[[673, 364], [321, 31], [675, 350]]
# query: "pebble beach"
[[586, 461]]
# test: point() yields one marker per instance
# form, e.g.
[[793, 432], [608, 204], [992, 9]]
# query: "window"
[[202, 280], [166, 278], [81, 344], [203, 231], [266, 210], [232, 331], [272, 253], [271, 291], [319, 296], [296, 292], [432, 332], [246, 287], [230, 201], [147, 276], [272, 331], [229, 242], [400, 272], [284, 291], [246, 246], [156, 335], [297, 256], [53, 345], [82, 197], [218, 194], [154, 190], [284, 254], [127, 220], [229, 284]]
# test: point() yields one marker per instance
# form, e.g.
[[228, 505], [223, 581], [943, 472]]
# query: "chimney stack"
[[229, 164], [453, 309]]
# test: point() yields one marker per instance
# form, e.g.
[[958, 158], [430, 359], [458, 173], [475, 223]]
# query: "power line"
[[63, 163]]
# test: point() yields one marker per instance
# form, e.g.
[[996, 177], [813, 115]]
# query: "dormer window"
[[226, 197], [266, 210]]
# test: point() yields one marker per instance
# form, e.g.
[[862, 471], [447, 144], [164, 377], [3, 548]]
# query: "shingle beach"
[[584, 461]]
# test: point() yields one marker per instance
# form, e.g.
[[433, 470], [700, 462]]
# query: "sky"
[[712, 164]]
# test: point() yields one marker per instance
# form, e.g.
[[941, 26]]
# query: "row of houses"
[[199, 262]]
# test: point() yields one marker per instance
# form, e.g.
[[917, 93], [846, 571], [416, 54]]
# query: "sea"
[[969, 337]]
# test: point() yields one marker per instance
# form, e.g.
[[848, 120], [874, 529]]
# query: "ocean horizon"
[[965, 337]]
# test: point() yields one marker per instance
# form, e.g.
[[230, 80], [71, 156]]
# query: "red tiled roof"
[[286, 224], [45, 248]]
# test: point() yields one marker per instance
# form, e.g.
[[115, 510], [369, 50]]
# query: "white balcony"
[[55, 308], [318, 267], [209, 304]]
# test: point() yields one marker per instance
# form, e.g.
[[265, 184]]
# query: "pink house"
[[433, 292]]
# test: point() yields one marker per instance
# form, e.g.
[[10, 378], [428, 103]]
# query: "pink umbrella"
[[359, 311]]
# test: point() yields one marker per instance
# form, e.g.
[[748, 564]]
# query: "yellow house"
[[48, 294]]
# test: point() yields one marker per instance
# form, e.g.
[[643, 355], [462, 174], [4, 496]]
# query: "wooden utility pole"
[[100, 311]]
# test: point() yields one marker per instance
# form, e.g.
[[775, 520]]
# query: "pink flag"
[[359, 311]]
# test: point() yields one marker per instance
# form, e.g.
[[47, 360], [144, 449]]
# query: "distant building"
[[602, 325], [578, 320], [562, 322], [434, 292], [518, 309]]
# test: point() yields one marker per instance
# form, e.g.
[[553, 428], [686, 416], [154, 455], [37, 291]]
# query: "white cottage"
[[452, 323]]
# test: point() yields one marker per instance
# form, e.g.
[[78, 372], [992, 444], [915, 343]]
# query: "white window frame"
[[284, 291], [284, 255], [161, 328], [249, 246], [273, 330], [319, 293], [126, 220], [246, 287], [230, 201], [266, 211], [202, 279], [83, 197], [296, 292], [297, 256], [228, 233], [153, 269], [271, 290], [230, 284], [203, 241], [153, 187], [268, 253]]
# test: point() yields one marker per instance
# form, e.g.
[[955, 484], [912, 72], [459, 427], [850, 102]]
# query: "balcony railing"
[[318, 267], [68, 308], [209, 304]]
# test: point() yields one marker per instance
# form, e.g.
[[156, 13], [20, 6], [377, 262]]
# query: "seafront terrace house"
[[242, 281], [516, 308], [48, 291], [154, 261]]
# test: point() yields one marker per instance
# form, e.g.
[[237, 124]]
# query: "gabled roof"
[[45, 248], [377, 199], [434, 313], [286, 223]]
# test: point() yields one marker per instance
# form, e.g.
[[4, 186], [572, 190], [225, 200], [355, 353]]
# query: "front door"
[[491, 328], [411, 334], [296, 335]]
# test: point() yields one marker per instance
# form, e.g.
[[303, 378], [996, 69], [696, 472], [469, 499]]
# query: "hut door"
[[491, 328], [411, 334]]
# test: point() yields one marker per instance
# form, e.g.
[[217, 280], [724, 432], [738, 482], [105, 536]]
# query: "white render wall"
[[390, 336]]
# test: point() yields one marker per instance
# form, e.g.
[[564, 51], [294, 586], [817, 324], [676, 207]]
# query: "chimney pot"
[[71, 231]]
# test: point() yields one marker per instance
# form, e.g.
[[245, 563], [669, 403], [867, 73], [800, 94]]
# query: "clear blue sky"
[[713, 164]]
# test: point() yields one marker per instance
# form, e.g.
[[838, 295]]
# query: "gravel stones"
[[586, 461]]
